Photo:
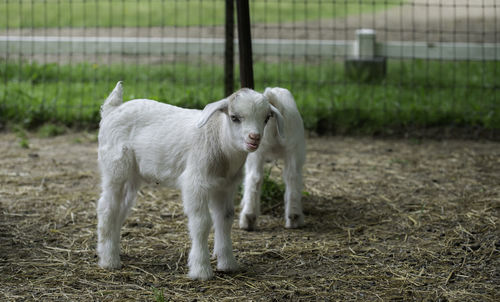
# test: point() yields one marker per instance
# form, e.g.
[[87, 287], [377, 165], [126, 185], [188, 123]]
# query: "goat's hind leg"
[[109, 225], [292, 176], [118, 195], [130, 191]]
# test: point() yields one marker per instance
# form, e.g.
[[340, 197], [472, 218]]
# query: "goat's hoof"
[[110, 265], [228, 266], [248, 222], [294, 221], [201, 273]]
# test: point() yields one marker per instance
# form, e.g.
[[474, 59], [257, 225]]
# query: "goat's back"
[[156, 135]]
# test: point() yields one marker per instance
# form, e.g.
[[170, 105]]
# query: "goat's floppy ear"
[[210, 109], [279, 121], [273, 99]]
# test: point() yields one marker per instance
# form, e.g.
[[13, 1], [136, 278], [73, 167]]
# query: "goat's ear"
[[273, 98], [279, 121], [210, 109]]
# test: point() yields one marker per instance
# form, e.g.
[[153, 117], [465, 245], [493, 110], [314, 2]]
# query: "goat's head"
[[246, 112]]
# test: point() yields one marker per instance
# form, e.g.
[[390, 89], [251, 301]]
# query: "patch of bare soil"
[[385, 220]]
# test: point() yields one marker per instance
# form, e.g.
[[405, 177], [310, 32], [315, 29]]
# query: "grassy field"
[[415, 94], [52, 13]]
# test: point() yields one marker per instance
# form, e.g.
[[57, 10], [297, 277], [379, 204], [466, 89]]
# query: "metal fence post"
[[364, 45], [365, 65], [245, 44], [229, 49]]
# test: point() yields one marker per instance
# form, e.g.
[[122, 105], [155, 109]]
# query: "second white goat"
[[291, 149], [200, 152]]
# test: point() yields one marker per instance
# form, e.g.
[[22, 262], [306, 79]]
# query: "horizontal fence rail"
[[30, 45], [374, 66]]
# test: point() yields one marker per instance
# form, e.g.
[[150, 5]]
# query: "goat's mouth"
[[252, 146]]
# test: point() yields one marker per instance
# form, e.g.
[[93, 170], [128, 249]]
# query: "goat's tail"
[[114, 100]]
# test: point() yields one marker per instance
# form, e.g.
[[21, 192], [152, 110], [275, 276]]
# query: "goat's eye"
[[235, 118], [267, 118]]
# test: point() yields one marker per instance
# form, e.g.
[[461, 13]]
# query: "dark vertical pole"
[[229, 49], [245, 43]]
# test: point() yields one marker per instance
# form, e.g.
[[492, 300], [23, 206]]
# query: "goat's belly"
[[165, 177], [162, 181]]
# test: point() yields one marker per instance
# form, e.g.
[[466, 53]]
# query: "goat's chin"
[[251, 147]]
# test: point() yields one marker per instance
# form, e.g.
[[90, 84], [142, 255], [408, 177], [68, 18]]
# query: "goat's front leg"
[[222, 210], [250, 204], [196, 209]]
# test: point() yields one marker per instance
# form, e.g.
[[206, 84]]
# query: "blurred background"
[[422, 64]]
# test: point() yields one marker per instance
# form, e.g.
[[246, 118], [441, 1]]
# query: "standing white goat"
[[200, 152], [291, 150]]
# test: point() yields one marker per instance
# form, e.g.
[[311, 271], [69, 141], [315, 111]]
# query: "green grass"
[[134, 13], [158, 294], [414, 94], [50, 130], [273, 192]]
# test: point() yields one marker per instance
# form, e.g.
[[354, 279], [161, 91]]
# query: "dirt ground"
[[386, 220]]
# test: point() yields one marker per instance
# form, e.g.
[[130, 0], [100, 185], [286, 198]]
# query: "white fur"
[[291, 149], [200, 152]]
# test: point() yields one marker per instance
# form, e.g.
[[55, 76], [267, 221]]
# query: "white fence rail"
[[32, 45]]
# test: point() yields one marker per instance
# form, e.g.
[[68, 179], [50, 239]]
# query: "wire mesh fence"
[[426, 63]]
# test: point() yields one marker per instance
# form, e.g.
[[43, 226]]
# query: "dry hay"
[[386, 220]]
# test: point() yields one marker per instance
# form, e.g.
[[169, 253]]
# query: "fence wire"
[[433, 62]]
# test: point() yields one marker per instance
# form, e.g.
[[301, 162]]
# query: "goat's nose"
[[254, 136]]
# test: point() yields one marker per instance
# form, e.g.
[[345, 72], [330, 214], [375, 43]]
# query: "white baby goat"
[[200, 152], [291, 149]]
